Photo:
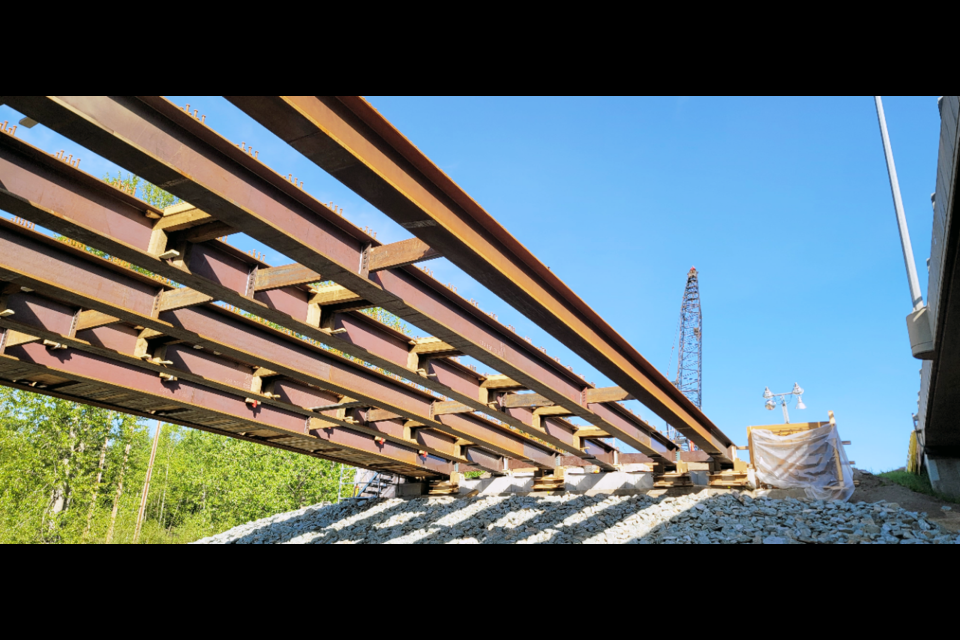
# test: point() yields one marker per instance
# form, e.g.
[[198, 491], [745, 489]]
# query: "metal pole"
[[915, 296], [786, 416]]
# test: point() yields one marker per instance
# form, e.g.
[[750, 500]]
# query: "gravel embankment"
[[706, 517]]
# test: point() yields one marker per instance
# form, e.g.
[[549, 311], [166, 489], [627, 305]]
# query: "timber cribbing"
[[223, 341]]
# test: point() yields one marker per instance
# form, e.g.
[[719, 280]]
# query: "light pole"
[[918, 322], [771, 404]]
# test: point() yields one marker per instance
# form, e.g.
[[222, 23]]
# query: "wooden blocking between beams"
[[334, 294], [499, 381], [15, 338], [89, 319], [179, 298], [180, 217], [512, 400], [399, 254], [433, 348], [552, 411], [592, 432], [208, 231], [285, 276], [376, 415], [446, 407], [606, 394]]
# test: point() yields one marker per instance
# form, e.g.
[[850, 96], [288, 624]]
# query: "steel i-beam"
[[276, 213]]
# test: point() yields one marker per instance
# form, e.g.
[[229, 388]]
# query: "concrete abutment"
[[945, 475]]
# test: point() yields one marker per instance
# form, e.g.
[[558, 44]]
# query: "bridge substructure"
[[220, 340], [939, 400]]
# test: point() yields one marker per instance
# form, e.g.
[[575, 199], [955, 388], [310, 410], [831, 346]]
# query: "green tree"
[[140, 188], [49, 458], [54, 489]]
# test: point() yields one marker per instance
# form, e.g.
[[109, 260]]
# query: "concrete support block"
[[614, 481], [497, 486], [699, 478], [945, 475]]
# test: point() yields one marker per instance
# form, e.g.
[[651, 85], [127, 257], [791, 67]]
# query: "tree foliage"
[[202, 483], [140, 188], [55, 489]]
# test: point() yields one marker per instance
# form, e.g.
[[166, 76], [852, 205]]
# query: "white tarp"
[[811, 460]]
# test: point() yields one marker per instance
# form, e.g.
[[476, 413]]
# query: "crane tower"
[[690, 348]]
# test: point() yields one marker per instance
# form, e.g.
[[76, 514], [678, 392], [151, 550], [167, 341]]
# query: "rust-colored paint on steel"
[[135, 121], [348, 138], [170, 419], [84, 367], [491, 345], [117, 342], [229, 269], [214, 271], [30, 308], [89, 286]]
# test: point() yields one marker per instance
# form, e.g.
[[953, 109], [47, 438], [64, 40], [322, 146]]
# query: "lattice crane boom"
[[689, 378]]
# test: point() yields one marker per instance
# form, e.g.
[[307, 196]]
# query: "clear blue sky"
[[782, 204]]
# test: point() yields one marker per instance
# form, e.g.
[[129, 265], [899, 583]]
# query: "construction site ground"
[[877, 514], [874, 489]]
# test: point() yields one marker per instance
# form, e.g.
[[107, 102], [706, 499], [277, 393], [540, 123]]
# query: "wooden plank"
[[90, 319], [430, 348], [355, 404], [334, 294], [208, 231], [15, 337], [607, 394], [180, 220], [180, 298], [375, 415], [451, 406], [399, 254], [499, 381], [552, 411], [284, 276], [512, 400], [425, 346], [590, 432]]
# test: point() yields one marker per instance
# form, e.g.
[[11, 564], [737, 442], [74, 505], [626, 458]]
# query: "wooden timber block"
[[668, 480], [444, 487]]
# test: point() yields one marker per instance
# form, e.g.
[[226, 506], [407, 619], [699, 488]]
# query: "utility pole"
[[918, 322], [146, 485]]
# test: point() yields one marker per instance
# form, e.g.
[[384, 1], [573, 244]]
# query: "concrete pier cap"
[[945, 475]]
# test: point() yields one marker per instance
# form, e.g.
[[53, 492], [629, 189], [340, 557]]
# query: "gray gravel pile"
[[702, 518]]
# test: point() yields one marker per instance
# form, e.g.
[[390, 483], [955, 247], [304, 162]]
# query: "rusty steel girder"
[[349, 139], [202, 405], [45, 266], [90, 228], [43, 319]]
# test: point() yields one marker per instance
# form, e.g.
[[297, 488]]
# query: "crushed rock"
[[701, 518]]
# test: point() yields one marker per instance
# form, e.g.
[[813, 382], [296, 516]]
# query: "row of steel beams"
[[90, 377], [98, 213], [60, 197], [37, 318], [30, 381], [193, 162], [355, 144], [45, 266]]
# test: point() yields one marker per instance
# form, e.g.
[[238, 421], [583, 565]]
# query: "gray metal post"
[[916, 298]]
